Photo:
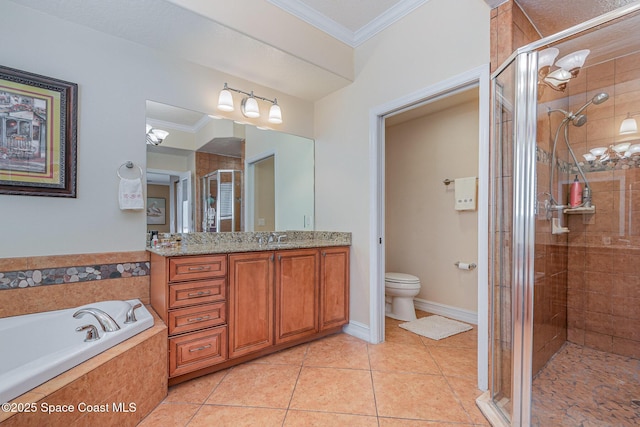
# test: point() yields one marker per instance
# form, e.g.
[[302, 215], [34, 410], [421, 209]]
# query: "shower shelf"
[[583, 210]]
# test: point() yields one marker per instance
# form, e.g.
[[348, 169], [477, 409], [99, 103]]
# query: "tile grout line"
[[207, 398], [373, 386], [306, 350]]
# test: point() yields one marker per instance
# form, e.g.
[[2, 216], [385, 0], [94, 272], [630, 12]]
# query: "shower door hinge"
[[380, 240]]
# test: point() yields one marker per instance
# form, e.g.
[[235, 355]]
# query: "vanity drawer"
[[199, 317], [197, 267], [190, 293], [195, 351]]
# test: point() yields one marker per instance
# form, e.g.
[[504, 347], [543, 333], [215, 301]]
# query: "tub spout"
[[106, 322]]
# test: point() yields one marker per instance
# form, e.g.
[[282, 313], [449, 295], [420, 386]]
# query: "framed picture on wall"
[[38, 131], [156, 211]]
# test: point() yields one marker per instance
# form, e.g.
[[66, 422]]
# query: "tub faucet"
[[106, 322], [131, 315], [92, 332]]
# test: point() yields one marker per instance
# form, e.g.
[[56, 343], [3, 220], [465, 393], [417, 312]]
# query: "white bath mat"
[[435, 327]]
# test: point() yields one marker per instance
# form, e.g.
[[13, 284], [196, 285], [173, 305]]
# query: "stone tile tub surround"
[[44, 345], [206, 243], [35, 299], [133, 371]]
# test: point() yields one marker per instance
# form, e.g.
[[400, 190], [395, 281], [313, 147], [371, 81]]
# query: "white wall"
[[440, 39], [115, 78], [293, 174], [425, 236]]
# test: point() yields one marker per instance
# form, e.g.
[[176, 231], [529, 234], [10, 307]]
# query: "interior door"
[[184, 211]]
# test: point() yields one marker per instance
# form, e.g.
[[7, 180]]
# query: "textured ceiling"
[[553, 16]]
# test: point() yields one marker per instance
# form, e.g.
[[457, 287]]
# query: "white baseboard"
[[358, 330], [446, 310]]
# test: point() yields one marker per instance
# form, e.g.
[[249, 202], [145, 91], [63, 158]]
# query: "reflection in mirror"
[[218, 175]]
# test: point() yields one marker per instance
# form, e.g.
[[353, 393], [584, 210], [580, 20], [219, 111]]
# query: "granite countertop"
[[219, 243]]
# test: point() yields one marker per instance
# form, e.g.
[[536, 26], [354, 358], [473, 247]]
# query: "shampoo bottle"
[[575, 193]]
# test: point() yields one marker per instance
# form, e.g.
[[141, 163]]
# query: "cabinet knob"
[[271, 257]]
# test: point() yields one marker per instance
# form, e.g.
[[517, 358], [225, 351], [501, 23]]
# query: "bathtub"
[[37, 347]]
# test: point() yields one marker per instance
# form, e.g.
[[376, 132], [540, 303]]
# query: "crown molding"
[[161, 124], [340, 32], [393, 14]]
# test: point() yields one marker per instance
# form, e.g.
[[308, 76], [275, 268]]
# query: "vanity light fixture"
[[249, 104], [155, 136], [569, 68], [629, 124], [620, 151]]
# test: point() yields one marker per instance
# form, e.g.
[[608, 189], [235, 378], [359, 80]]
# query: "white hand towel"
[[130, 194], [466, 194]]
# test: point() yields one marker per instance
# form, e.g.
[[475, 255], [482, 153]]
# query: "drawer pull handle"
[[199, 294], [204, 347], [200, 268], [199, 319]]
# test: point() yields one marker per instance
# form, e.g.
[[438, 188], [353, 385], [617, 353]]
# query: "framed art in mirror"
[[38, 131], [156, 211]]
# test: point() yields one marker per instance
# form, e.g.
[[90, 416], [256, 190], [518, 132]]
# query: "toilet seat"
[[401, 281]]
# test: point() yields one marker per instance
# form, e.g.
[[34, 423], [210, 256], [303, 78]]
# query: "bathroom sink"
[[282, 245]]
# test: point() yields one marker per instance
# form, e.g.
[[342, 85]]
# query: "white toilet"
[[399, 290]]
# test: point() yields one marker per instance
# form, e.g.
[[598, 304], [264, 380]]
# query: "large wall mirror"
[[216, 175]]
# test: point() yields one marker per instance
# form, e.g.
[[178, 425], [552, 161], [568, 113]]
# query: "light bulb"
[[250, 107], [275, 114], [225, 100], [573, 61], [628, 126]]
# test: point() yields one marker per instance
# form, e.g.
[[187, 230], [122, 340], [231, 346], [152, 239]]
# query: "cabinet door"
[[334, 287], [250, 317], [297, 283]]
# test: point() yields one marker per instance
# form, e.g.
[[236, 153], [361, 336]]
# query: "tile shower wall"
[[604, 272], [35, 284], [551, 259], [207, 163]]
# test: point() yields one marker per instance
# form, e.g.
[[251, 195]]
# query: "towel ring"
[[129, 164]]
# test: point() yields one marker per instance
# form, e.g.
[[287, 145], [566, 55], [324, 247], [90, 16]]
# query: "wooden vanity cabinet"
[[189, 293], [334, 287], [297, 294], [222, 310], [251, 302]]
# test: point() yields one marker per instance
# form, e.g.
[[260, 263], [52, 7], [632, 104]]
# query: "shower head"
[[579, 120], [597, 99]]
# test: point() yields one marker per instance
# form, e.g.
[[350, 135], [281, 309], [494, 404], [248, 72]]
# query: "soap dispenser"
[[575, 194]]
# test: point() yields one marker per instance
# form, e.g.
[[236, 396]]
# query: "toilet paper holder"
[[465, 266]]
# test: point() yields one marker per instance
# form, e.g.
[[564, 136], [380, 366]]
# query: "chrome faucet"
[[131, 315], [92, 332], [280, 237], [106, 322]]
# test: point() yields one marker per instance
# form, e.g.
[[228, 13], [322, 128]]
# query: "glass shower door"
[[513, 228]]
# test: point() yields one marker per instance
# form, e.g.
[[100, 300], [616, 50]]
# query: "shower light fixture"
[[629, 124], [155, 136], [249, 104], [569, 67]]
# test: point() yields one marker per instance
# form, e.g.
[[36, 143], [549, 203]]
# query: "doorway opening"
[[475, 78]]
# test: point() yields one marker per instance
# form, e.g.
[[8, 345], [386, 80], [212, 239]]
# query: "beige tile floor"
[[339, 380]]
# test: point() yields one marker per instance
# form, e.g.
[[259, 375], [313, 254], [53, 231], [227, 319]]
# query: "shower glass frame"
[[519, 227]]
